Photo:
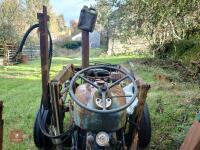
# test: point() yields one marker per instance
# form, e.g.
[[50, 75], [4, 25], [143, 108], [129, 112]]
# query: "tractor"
[[95, 106]]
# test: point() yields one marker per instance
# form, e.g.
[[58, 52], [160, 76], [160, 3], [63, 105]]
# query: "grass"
[[172, 105]]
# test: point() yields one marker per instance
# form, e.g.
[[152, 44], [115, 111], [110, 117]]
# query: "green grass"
[[172, 105]]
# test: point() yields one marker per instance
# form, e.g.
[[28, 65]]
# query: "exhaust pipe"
[[86, 23]]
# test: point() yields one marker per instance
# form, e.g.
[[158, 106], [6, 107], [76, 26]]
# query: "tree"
[[159, 21], [103, 20], [74, 27], [18, 15], [10, 22]]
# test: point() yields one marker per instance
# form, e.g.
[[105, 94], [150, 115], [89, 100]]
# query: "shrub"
[[184, 50], [72, 44]]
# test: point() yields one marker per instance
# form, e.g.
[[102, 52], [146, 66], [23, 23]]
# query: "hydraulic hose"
[[66, 134], [24, 40]]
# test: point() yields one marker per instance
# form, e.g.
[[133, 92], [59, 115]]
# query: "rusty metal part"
[[116, 76], [43, 19], [117, 92], [85, 49], [16, 136], [1, 125], [54, 94], [102, 89], [192, 139], [84, 93], [107, 122], [100, 82], [143, 89], [65, 74], [56, 97]]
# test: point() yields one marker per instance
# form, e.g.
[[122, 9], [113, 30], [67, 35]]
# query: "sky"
[[69, 8]]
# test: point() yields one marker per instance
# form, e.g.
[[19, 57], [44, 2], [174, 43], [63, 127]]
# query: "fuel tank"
[[87, 94]]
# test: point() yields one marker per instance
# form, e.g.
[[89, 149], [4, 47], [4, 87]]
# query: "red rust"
[[118, 91], [16, 136], [84, 94], [192, 140], [65, 74], [43, 19], [85, 49]]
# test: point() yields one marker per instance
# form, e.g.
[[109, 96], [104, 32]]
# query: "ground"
[[172, 103]]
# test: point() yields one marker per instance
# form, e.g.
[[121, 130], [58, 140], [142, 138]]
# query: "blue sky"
[[69, 8]]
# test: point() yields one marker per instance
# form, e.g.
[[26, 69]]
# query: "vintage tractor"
[[90, 107]]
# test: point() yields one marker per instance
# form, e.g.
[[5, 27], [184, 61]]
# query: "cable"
[[24, 40], [62, 135]]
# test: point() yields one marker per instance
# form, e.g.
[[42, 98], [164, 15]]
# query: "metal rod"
[[1, 126], [85, 49], [43, 19]]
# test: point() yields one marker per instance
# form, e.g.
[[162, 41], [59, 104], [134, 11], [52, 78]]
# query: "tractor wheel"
[[40, 140], [144, 132]]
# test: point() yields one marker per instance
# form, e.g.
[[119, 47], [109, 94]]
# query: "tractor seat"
[[98, 73]]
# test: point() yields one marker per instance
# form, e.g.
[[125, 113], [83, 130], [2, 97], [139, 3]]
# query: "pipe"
[[85, 49]]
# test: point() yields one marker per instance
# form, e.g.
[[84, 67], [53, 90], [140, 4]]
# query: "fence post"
[[1, 126]]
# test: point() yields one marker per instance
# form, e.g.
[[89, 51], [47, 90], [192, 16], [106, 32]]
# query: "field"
[[173, 105]]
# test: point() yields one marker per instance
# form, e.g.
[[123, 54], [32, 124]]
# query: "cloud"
[[69, 8]]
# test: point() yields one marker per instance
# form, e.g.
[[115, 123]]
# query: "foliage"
[[72, 44], [159, 21], [173, 105], [103, 20], [184, 50], [17, 16], [10, 22]]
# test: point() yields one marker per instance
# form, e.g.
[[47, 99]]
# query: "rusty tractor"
[[90, 107]]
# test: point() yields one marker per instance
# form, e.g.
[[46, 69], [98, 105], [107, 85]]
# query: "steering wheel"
[[102, 89]]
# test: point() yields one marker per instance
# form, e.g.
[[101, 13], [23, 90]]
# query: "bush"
[[184, 50], [72, 44]]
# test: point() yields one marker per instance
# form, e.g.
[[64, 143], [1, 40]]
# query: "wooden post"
[[1, 126]]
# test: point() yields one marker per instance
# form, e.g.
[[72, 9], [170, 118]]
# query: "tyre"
[[40, 140], [144, 132]]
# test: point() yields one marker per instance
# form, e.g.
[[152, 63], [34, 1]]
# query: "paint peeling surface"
[[107, 122]]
